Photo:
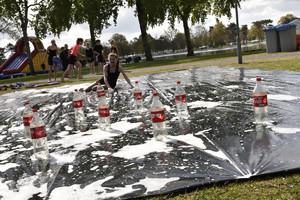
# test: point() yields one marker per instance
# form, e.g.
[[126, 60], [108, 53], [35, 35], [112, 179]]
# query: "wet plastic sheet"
[[218, 142]]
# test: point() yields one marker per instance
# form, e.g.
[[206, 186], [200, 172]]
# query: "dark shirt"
[[89, 53], [98, 48], [111, 77]]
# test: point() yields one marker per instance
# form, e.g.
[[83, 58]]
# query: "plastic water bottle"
[[260, 102], [39, 136], [78, 108], [180, 100], [137, 95], [100, 90], [103, 113], [157, 113], [27, 117]]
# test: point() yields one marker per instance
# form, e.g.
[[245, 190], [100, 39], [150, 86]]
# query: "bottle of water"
[[137, 95], [100, 90], [103, 113], [260, 102], [27, 117], [78, 108], [157, 113], [180, 100], [39, 136]]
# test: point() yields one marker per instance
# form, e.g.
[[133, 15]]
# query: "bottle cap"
[[102, 94], [136, 82], [26, 103], [75, 90], [258, 79], [155, 94], [178, 82], [98, 82], [34, 110]]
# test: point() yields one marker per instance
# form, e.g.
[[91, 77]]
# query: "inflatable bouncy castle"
[[18, 62]]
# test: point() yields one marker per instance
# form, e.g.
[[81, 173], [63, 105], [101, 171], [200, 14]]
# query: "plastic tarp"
[[218, 142]]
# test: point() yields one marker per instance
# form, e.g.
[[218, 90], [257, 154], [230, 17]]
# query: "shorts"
[[99, 58], [72, 59], [90, 60], [50, 60]]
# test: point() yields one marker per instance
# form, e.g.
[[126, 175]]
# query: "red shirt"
[[74, 49]]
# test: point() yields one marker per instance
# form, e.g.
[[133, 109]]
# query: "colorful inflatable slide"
[[18, 62]]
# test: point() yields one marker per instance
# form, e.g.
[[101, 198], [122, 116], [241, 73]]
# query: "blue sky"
[[127, 23]]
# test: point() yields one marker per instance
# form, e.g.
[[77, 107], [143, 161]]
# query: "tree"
[[7, 27], [170, 34], [232, 30], [183, 10], [244, 33], [201, 36], [219, 34], [258, 26], [122, 44], [10, 48], [179, 40], [286, 19], [161, 43], [2, 55], [16, 12]]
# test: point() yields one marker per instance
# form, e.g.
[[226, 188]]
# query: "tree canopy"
[[286, 19]]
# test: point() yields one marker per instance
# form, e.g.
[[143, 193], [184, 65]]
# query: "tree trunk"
[[27, 49], [143, 27], [187, 36], [92, 32]]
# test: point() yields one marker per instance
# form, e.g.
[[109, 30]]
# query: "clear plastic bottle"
[[39, 136], [100, 90], [103, 113], [180, 100], [157, 113], [137, 95], [78, 108], [27, 117], [260, 102]]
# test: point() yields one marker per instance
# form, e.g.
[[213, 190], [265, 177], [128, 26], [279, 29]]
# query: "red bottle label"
[[38, 132], [260, 101], [77, 103], [103, 111], [137, 95], [157, 116], [99, 92], [27, 119], [180, 98]]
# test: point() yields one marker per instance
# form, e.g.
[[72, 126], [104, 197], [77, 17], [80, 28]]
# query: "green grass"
[[264, 187]]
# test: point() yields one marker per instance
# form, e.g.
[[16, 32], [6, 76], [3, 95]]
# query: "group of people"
[[68, 57]]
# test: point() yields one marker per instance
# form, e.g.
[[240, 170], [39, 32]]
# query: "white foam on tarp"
[[232, 86], [125, 126], [101, 153], [140, 150], [2, 137], [204, 104], [25, 189], [7, 166], [201, 132], [16, 129], [154, 184], [285, 130], [282, 97], [6, 155], [63, 158], [76, 192], [190, 139]]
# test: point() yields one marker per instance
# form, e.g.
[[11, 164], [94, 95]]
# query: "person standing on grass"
[[113, 47], [73, 59], [98, 50], [67, 52], [52, 51], [89, 55], [111, 75], [64, 58]]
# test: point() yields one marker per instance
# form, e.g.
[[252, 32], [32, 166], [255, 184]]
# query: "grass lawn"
[[283, 186]]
